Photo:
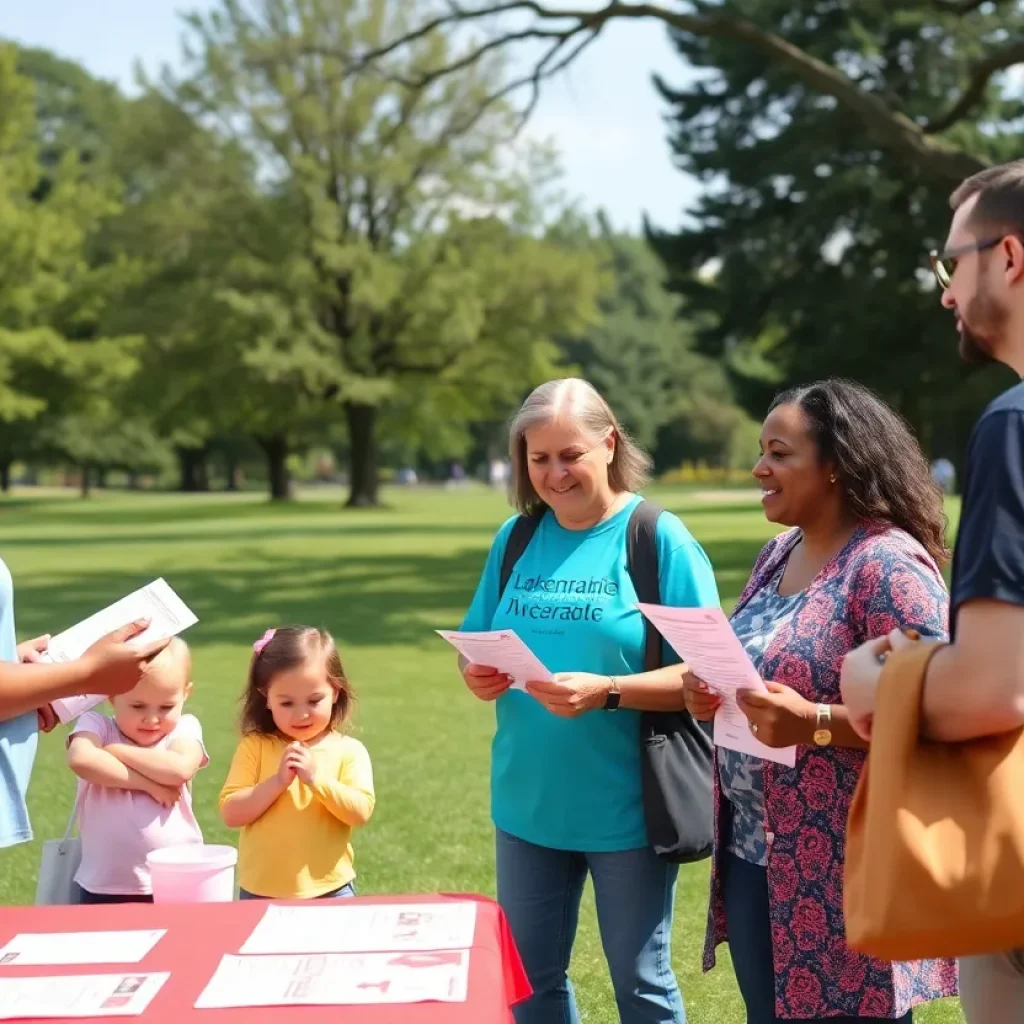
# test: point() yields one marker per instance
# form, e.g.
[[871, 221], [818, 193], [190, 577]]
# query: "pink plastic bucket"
[[194, 873]]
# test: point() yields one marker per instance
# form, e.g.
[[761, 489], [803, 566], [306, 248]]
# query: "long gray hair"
[[579, 402]]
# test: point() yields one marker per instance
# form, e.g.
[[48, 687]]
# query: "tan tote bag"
[[935, 836]]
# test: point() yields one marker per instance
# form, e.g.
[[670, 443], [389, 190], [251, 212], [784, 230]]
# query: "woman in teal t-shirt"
[[565, 765]]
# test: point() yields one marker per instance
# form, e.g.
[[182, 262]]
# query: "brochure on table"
[[33, 949], [364, 928], [85, 995], [338, 979]]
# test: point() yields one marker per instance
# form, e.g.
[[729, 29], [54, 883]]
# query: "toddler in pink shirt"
[[135, 771]]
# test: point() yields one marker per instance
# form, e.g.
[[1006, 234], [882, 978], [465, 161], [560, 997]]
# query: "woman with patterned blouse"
[[840, 468]]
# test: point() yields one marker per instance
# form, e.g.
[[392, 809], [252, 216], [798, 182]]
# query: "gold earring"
[[833, 479]]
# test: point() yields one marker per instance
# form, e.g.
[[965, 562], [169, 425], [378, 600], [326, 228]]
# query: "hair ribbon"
[[263, 641]]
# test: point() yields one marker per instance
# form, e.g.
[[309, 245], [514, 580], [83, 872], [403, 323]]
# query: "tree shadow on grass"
[[232, 533], [365, 600]]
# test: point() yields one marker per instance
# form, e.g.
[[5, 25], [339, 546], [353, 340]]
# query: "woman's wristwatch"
[[823, 723], [611, 702]]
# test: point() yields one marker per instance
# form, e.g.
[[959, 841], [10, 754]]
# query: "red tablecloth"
[[198, 935]]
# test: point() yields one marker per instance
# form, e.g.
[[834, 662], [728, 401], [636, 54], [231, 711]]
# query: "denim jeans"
[[745, 892], [540, 889], [335, 894]]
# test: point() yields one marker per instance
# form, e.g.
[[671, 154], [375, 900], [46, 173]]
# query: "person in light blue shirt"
[[18, 735], [565, 764], [111, 666]]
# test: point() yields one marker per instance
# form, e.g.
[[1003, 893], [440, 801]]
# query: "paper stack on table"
[[364, 928], [338, 979], [156, 601], [703, 638], [110, 947], [502, 649], [85, 995], [350, 953]]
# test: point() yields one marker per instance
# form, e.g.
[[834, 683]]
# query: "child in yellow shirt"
[[297, 786]]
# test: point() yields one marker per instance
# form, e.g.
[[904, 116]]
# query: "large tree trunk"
[[5, 477], [276, 451], [86, 481], [194, 474], [363, 482]]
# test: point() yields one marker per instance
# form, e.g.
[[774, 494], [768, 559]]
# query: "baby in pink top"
[[135, 770]]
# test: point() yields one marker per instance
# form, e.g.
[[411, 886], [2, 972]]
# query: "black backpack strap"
[[642, 564], [519, 538]]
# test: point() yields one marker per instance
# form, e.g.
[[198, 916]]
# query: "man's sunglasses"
[[944, 263]]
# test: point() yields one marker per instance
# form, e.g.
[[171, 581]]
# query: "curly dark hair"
[[884, 473], [288, 648]]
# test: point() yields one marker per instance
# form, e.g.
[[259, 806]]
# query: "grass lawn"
[[381, 581]]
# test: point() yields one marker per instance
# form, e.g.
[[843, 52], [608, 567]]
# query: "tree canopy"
[[323, 233], [980, 41]]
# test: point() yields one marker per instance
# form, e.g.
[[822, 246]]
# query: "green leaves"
[[641, 355], [817, 236], [393, 255], [53, 361]]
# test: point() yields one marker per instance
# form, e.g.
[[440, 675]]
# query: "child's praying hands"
[[300, 760]]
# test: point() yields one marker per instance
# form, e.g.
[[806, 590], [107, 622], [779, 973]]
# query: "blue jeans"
[[335, 894], [747, 910], [540, 889]]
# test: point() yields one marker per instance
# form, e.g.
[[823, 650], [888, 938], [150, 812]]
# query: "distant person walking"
[[974, 687], [497, 473], [944, 475]]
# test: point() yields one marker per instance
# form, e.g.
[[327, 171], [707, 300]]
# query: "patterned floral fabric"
[[881, 580], [740, 775]]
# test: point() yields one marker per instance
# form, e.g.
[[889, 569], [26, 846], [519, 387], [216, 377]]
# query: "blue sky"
[[604, 112]]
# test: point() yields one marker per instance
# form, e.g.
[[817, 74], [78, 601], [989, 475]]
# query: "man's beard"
[[972, 349], [981, 328]]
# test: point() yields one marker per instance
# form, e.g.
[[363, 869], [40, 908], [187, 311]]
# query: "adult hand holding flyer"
[[501, 649], [703, 638], [168, 616]]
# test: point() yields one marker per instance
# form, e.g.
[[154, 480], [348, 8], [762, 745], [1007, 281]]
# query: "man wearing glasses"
[[975, 686]]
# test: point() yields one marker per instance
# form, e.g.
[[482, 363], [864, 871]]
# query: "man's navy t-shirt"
[[988, 559]]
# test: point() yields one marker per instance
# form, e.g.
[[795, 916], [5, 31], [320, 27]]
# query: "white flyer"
[[338, 979], [33, 949], [85, 995], [703, 638], [364, 928], [502, 649], [156, 601]]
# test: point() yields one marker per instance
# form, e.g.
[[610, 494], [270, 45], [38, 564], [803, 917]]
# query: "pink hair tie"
[[263, 641]]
